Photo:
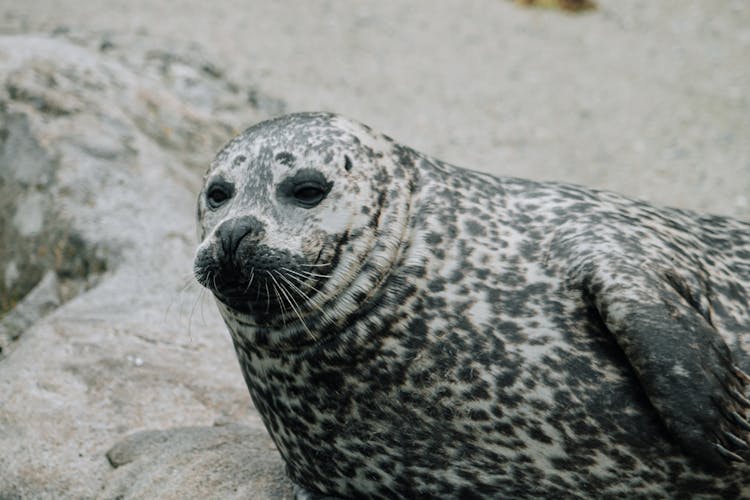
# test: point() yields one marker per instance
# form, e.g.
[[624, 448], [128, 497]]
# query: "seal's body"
[[411, 328]]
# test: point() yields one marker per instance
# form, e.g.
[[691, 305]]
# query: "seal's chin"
[[260, 299], [239, 303]]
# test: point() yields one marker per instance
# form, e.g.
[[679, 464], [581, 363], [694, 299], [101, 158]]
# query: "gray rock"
[[197, 462], [42, 299], [101, 150]]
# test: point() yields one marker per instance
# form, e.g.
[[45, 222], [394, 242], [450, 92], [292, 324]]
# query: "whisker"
[[306, 298], [252, 275], [198, 299], [292, 304], [201, 299], [192, 311], [308, 273], [327, 264], [190, 281], [268, 296], [299, 292], [202, 302], [303, 282], [281, 303], [301, 278]]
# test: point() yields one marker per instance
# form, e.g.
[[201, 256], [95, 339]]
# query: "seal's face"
[[287, 216]]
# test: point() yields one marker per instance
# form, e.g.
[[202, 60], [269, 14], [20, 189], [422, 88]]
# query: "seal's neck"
[[380, 252]]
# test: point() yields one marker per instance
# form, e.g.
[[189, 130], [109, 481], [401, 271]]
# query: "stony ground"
[[108, 117]]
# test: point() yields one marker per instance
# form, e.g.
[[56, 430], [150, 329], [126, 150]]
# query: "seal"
[[408, 328]]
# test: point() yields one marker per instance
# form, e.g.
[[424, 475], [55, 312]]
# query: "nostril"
[[233, 231], [239, 231]]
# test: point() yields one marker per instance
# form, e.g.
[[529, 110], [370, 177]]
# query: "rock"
[[102, 143], [231, 461], [42, 299]]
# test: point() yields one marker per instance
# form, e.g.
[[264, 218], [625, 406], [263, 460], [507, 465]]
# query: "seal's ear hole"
[[347, 163]]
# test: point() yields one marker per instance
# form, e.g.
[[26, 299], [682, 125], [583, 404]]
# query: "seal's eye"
[[309, 194], [305, 189], [218, 193]]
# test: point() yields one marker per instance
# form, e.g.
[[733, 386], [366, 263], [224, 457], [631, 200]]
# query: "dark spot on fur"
[[285, 158], [474, 228]]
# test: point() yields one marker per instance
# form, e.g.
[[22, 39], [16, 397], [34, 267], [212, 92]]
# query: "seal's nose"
[[231, 232]]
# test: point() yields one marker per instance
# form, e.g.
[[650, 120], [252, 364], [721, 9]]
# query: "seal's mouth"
[[238, 298], [271, 285], [270, 293]]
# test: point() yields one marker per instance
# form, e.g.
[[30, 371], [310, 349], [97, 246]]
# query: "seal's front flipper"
[[685, 367]]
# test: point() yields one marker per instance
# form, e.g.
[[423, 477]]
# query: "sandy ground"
[[647, 98]]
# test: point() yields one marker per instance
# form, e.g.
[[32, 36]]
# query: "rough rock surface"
[[102, 143], [229, 461]]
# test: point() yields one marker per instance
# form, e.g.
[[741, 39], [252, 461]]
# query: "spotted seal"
[[408, 328]]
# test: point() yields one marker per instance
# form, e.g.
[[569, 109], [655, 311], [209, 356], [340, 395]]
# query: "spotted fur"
[[425, 330]]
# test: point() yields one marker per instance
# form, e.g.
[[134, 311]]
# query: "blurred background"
[[648, 98], [117, 376]]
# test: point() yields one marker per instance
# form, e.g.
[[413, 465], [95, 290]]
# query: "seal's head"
[[288, 218]]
